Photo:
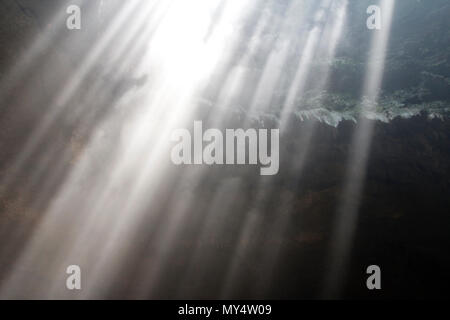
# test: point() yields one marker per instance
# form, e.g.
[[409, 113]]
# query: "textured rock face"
[[417, 75]]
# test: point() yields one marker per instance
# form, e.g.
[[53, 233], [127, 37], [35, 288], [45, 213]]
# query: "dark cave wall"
[[402, 223]]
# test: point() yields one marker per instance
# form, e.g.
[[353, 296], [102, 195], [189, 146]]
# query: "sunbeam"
[[347, 211]]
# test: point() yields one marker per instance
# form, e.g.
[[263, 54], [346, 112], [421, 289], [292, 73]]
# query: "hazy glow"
[[182, 54], [119, 184]]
